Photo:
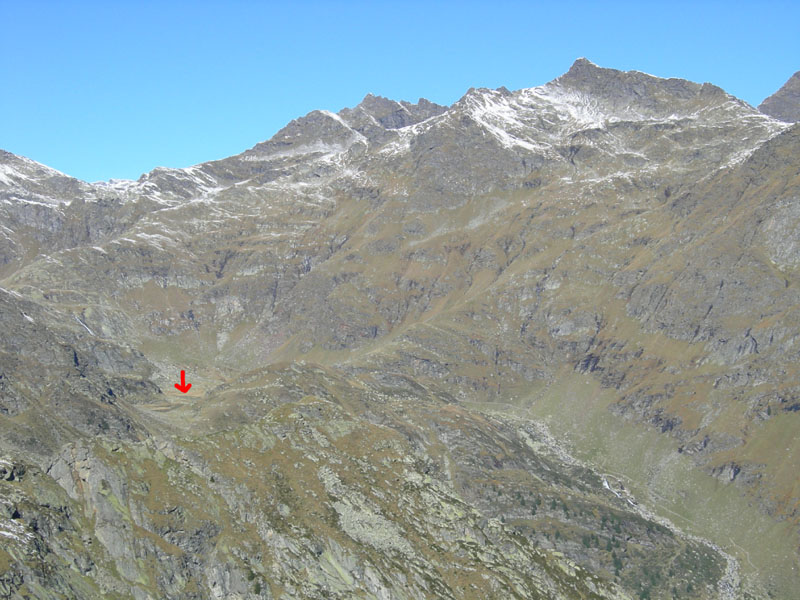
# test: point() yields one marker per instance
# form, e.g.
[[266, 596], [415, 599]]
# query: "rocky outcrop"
[[785, 103]]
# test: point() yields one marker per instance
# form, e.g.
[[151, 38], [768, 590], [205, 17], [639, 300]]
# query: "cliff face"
[[473, 351], [785, 103]]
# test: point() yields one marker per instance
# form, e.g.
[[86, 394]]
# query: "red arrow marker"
[[183, 386]]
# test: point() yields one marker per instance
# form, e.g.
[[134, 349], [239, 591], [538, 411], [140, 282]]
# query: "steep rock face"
[[57, 382], [785, 103], [612, 252]]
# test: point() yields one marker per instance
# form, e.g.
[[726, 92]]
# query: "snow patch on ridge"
[[742, 155], [31, 171], [358, 136], [317, 147], [6, 174], [116, 185], [576, 109], [496, 114]]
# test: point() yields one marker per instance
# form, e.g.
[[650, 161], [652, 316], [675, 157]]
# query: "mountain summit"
[[785, 103], [538, 343]]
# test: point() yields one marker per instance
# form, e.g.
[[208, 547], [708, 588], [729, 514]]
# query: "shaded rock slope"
[[785, 103], [538, 344]]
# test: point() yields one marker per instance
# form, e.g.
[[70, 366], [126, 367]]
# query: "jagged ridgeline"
[[537, 344]]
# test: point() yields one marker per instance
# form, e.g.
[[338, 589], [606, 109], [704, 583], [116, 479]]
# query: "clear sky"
[[113, 89]]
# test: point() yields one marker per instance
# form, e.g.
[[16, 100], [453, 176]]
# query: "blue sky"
[[114, 89]]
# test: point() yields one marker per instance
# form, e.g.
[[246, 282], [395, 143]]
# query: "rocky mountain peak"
[[584, 67], [16, 171], [640, 95], [24, 181], [388, 114], [785, 103]]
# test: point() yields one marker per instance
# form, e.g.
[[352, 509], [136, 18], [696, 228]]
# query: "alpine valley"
[[536, 344]]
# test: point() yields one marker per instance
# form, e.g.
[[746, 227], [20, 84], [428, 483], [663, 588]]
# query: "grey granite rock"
[[785, 103]]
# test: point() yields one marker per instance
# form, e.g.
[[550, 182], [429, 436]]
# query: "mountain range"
[[540, 343]]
